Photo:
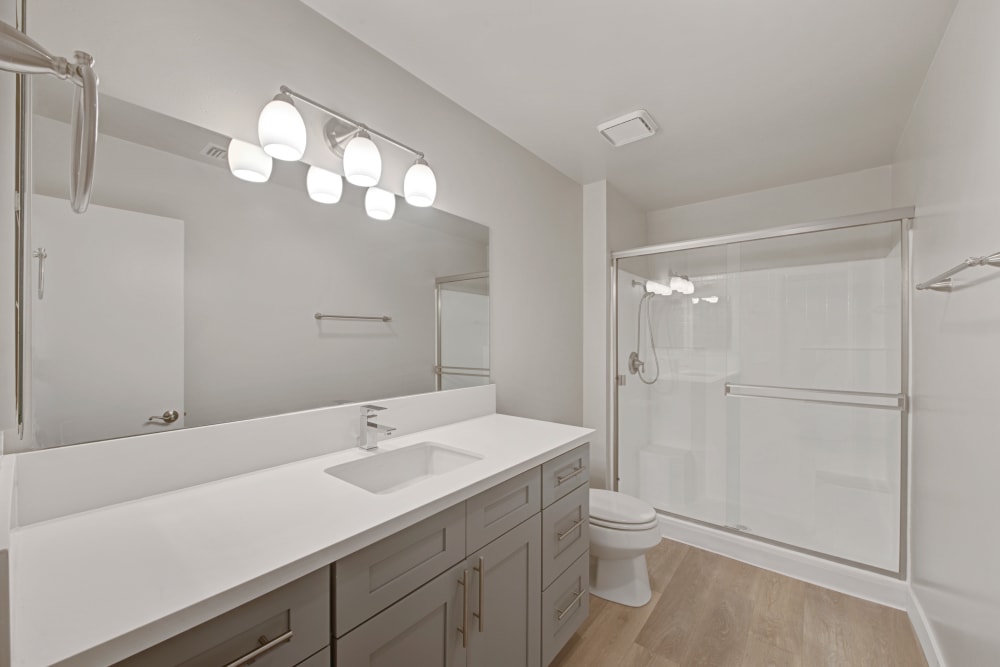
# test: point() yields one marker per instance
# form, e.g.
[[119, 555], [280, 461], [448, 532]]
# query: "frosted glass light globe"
[[248, 161], [362, 161], [380, 204], [324, 186], [281, 130], [419, 184]]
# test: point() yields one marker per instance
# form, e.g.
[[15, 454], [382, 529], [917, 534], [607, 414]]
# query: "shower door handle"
[[41, 256]]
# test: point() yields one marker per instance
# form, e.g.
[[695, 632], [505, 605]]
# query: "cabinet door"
[[424, 629], [506, 599]]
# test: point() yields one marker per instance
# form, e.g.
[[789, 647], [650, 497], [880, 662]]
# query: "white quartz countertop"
[[96, 587]]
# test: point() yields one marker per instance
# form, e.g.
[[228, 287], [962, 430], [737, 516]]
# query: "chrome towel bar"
[[369, 318], [943, 281]]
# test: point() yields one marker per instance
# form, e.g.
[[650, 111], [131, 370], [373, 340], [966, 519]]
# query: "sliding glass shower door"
[[764, 393]]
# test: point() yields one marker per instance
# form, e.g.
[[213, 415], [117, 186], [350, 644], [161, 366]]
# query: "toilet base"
[[621, 580]]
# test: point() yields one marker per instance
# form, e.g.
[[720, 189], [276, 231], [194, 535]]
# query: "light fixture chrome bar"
[[877, 401], [943, 281], [350, 121], [859, 220], [369, 318]]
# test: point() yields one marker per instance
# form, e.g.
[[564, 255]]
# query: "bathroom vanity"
[[485, 563]]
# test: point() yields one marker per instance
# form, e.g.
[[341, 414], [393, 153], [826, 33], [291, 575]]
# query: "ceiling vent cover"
[[628, 128], [214, 152]]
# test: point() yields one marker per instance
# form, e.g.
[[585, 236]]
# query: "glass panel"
[[464, 333], [769, 399], [672, 442], [821, 310], [820, 477]]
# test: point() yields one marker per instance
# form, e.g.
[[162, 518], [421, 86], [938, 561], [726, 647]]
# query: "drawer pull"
[[481, 569], [464, 583], [563, 535], [565, 610], [261, 650], [573, 473]]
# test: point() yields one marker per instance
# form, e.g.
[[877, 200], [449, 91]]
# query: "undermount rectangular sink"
[[392, 470]]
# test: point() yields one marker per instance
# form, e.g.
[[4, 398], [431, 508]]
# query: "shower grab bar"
[[898, 401], [368, 318], [942, 283]]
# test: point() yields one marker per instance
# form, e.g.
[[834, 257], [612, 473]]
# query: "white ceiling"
[[748, 94]]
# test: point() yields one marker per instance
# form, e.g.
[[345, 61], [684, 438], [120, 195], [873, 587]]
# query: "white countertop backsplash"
[[107, 573]]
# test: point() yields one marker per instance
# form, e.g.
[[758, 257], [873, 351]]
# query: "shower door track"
[[903, 215]]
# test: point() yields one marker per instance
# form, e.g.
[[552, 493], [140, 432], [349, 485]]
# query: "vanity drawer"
[[370, 580], [495, 511], [565, 532], [294, 620], [564, 473], [322, 659], [565, 606]]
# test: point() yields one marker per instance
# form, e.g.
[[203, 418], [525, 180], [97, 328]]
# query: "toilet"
[[622, 530]]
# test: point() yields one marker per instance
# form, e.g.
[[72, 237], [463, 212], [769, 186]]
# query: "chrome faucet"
[[370, 428]]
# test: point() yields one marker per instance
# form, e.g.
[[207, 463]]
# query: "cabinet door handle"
[[464, 629], [481, 569], [563, 535], [565, 610], [261, 650], [573, 473]]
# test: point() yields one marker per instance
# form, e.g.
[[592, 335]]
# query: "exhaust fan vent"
[[214, 152], [628, 128]]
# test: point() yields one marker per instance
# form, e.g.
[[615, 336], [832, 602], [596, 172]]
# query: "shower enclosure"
[[760, 384]]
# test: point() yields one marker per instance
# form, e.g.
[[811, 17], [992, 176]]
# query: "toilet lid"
[[614, 507]]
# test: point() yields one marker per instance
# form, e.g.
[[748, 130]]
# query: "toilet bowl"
[[622, 530]]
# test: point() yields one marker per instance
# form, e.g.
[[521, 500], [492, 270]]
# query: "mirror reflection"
[[186, 297]]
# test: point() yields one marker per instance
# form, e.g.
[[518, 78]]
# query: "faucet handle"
[[372, 409]]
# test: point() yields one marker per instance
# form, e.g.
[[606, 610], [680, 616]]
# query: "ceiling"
[[749, 94]]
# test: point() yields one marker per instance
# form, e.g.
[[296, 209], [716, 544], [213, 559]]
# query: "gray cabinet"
[[424, 629], [283, 628], [506, 599]]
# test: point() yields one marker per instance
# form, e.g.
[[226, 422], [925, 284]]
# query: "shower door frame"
[[902, 215]]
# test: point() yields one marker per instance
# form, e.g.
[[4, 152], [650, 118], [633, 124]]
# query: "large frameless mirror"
[[186, 297]]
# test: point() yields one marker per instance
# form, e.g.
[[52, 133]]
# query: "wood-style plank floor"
[[711, 611]]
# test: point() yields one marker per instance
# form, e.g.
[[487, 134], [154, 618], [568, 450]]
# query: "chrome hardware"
[[481, 570], [862, 399], [565, 478], [943, 281], [634, 364], [368, 318], [369, 420], [168, 417], [41, 256], [563, 535], [560, 613], [464, 583], [261, 650], [621, 380]]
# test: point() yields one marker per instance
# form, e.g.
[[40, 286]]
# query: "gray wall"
[[216, 64], [948, 163]]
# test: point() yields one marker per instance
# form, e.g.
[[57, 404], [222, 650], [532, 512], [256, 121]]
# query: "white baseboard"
[[852, 581], [923, 629]]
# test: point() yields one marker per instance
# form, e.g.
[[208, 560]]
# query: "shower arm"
[[21, 54]]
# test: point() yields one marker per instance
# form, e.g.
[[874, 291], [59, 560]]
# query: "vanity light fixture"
[[324, 186], [660, 289], [380, 204], [248, 161], [419, 184], [362, 161], [681, 284], [281, 130]]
